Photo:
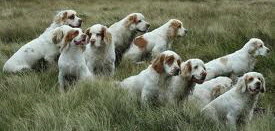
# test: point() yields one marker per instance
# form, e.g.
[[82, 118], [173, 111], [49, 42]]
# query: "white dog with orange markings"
[[155, 42], [239, 62], [124, 31], [192, 72], [236, 105], [100, 51], [210, 90], [43, 47], [149, 81], [72, 62]]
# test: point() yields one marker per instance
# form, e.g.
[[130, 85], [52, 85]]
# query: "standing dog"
[[124, 31], [43, 47], [239, 62], [237, 104], [192, 72], [72, 62], [156, 41], [148, 82], [100, 52]]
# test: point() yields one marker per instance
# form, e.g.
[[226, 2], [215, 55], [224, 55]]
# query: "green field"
[[31, 101]]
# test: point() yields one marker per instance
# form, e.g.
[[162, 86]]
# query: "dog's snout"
[[92, 41], [258, 85], [177, 70], [80, 21], [203, 75], [84, 36], [147, 25], [185, 30]]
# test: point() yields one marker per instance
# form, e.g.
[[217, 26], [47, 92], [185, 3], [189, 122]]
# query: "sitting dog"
[[192, 72], [124, 31], [148, 82], [100, 52], [210, 90], [237, 104], [155, 42], [239, 62], [72, 62], [44, 47]]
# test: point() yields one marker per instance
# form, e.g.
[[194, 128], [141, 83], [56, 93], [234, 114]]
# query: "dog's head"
[[175, 28], [68, 17], [136, 22], [194, 69], [252, 82], [221, 85], [256, 47], [66, 36], [167, 62], [98, 35]]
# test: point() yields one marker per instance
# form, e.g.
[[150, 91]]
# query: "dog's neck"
[[185, 85]]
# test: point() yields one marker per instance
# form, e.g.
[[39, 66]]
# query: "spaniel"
[[236, 105], [210, 90], [72, 62], [124, 31], [43, 47], [148, 82], [100, 51], [156, 41], [239, 62], [192, 72]]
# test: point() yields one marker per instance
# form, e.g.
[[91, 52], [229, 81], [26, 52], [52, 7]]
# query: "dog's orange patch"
[[140, 42], [175, 25], [169, 60], [69, 37], [106, 35], [158, 63], [131, 20]]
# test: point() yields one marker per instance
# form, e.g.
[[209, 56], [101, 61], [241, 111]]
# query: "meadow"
[[31, 101]]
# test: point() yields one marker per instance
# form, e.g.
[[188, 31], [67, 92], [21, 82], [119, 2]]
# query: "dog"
[[237, 104], [210, 90], [100, 52], [239, 62], [124, 31], [192, 72], [44, 47], [71, 62], [156, 41], [147, 83]]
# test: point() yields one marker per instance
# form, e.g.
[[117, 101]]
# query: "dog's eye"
[[261, 46], [204, 68], [139, 21], [98, 34], [196, 67], [71, 17]]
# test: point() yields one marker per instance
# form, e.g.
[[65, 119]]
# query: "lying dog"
[[148, 82], [72, 62], [237, 104], [124, 31], [43, 47], [100, 52], [210, 90], [155, 42], [239, 62]]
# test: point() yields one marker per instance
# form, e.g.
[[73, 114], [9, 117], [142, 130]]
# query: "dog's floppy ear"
[[263, 89], [186, 69], [242, 84], [60, 17], [106, 35], [69, 37], [158, 63], [131, 20], [57, 36]]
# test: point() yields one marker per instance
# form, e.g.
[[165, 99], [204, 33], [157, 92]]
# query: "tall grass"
[[31, 101]]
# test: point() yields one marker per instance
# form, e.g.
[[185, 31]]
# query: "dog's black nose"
[[268, 50], [80, 21], [185, 30], [258, 85], [177, 71], [147, 25]]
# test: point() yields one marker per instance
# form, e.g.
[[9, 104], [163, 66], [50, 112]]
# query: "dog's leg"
[[61, 81], [231, 121]]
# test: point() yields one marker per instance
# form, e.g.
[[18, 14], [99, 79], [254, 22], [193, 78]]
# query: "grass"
[[31, 101]]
